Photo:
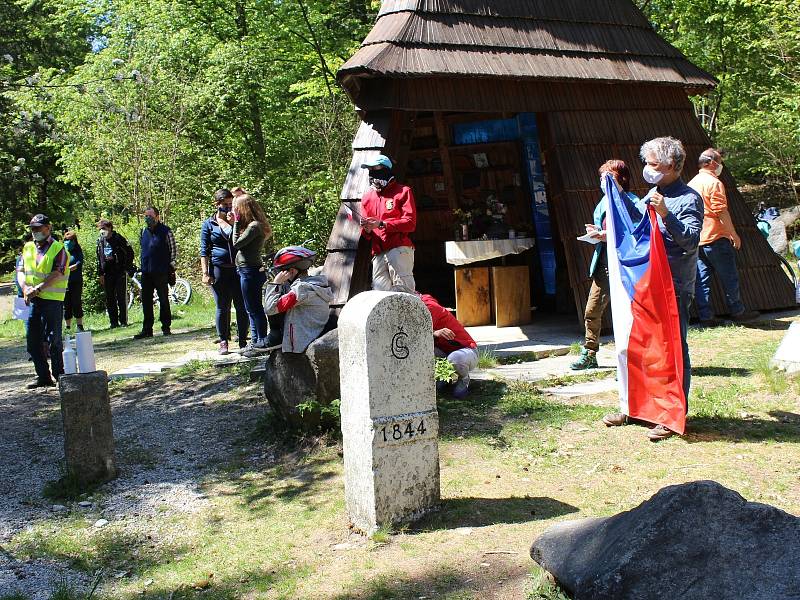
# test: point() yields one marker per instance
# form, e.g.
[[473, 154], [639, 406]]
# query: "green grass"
[[487, 358], [15, 596], [542, 587]]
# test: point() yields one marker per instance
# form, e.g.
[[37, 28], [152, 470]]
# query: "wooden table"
[[485, 294]]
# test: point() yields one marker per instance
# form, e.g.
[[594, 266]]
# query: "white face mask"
[[718, 170], [652, 176], [39, 236], [105, 233]]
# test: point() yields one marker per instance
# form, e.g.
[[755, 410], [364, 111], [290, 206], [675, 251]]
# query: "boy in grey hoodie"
[[306, 305]]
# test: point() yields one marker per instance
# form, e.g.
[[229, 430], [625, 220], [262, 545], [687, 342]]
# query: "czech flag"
[[645, 315]]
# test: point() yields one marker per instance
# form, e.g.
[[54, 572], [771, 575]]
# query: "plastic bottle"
[[70, 358]]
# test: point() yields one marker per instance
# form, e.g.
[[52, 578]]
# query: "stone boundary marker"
[[390, 425], [88, 431]]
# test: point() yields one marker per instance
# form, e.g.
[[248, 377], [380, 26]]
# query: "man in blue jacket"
[[159, 254], [680, 219]]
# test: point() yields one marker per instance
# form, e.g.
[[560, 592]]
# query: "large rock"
[[88, 431], [310, 378], [698, 540]]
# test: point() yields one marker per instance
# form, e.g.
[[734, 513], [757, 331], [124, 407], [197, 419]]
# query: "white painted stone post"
[[390, 425]]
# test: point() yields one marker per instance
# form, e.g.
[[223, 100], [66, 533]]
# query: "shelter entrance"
[[484, 239]]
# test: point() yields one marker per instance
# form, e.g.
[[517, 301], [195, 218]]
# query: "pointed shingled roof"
[[551, 40]]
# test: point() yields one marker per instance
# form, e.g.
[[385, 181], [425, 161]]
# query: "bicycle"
[[180, 293]]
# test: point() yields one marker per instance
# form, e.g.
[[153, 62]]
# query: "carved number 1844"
[[397, 432]]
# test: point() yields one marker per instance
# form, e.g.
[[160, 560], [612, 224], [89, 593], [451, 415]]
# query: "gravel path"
[[169, 436]]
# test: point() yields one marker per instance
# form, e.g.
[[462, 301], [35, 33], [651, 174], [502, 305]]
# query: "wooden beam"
[[444, 154]]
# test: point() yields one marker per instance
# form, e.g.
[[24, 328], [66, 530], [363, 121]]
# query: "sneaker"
[[166, 332], [746, 316], [113, 326], [615, 420], [461, 389], [142, 335], [274, 338], [38, 383], [658, 433], [80, 328], [587, 360], [223, 348]]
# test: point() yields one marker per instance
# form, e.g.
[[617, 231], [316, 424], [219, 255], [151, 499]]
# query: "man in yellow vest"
[[44, 283]]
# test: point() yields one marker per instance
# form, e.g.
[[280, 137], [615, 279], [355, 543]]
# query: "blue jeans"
[[252, 280], [227, 290], [719, 256], [684, 303], [44, 329]]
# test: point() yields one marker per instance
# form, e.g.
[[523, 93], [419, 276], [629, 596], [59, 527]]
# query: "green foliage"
[[443, 370], [67, 487], [329, 415], [752, 47], [14, 596], [487, 359]]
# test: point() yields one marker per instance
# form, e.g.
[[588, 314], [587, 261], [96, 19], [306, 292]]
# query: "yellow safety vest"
[[36, 273]]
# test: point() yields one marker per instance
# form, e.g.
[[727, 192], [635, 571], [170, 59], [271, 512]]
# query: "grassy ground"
[[513, 462]]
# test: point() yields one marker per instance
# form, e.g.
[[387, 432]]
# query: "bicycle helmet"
[[294, 257]]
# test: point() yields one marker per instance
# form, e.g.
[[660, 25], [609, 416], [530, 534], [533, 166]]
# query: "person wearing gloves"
[[451, 341], [306, 305], [388, 216]]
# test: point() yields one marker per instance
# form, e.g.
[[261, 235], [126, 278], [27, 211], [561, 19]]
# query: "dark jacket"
[[216, 244], [76, 258], [156, 252], [114, 255]]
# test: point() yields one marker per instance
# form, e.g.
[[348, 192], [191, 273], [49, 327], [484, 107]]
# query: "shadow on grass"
[[285, 483], [720, 372], [480, 512], [785, 428], [770, 325]]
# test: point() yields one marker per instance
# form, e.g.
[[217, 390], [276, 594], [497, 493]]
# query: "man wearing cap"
[[44, 284], [718, 244], [388, 216]]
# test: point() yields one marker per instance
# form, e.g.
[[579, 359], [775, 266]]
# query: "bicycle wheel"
[[181, 292]]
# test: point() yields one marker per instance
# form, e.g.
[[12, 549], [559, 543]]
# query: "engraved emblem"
[[389, 203], [399, 349]]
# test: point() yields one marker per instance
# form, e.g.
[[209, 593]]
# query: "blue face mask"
[[69, 245], [224, 210]]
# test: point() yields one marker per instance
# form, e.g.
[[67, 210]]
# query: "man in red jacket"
[[452, 341], [388, 216]]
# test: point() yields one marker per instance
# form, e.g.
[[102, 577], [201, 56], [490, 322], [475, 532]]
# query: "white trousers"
[[463, 361], [393, 270]]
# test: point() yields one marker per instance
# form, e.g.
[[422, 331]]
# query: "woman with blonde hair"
[[250, 230]]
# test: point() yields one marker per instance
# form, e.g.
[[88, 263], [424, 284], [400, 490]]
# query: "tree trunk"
[[259, 146]]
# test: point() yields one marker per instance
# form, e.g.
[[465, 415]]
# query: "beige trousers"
[[393, 270]]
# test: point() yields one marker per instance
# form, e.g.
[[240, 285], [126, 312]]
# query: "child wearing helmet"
[[306, 306]]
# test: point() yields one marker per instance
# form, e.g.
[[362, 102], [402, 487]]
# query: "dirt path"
[[169, 436]]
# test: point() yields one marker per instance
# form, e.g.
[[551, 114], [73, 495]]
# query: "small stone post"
[[390, 425], [88, 432]]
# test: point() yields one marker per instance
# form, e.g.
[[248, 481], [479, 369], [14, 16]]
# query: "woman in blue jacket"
[[217, 256], [598, 269]]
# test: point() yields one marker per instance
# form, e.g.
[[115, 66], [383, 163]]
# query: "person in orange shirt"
[[718, 242]]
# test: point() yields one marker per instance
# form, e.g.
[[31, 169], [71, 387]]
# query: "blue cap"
[[380, 161]]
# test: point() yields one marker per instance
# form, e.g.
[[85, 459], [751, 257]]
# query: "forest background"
[[109, 106]]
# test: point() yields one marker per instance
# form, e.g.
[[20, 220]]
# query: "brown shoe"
[[615, 420], [658, 433]]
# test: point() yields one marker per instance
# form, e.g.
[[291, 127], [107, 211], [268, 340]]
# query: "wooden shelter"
[[595, 80]]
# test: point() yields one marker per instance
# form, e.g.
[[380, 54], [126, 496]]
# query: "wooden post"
[[444, 154]]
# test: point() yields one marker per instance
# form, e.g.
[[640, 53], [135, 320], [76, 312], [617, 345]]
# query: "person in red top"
[[452, 341], [388, 216]]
